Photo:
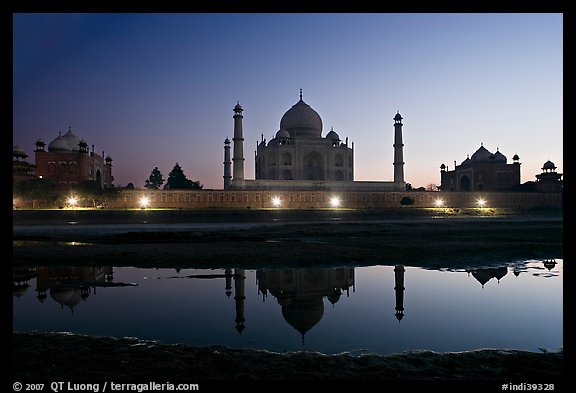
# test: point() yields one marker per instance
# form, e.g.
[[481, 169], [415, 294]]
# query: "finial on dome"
[[300, 94]]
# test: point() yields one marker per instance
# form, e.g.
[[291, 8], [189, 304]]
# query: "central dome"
[[302, 120]]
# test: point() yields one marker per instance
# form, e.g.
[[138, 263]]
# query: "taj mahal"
[[300, 158]]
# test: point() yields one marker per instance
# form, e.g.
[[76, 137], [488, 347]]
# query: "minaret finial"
[[300, 94]]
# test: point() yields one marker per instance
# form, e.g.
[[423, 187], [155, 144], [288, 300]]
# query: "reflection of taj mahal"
[[301, 292]]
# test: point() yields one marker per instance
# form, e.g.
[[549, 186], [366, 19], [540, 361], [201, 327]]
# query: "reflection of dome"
[[499, 272], [304, 314], [66, 296], [334, 296], [301, 119], [19, 290], [482, 275]]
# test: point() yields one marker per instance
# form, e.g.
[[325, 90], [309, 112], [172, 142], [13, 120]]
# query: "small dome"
[[17, 151], [515, 157], [398, 117], [482, 154], [499, 157], [58, 144], [283, 134], [332, 135], [72, 139], [238, 108], [227, 141], [66, 142], [442, 166], [301, 119], [548, 165]]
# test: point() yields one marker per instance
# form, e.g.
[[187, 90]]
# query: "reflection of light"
[[144, 202], [439, 202], [334, 201], [481, 202], [276, 201], [72, 201]]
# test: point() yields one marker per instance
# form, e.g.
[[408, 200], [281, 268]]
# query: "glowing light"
[[439, 202], [144, 202], [481, 202], [72, 201], [335, 201], [276, 202]]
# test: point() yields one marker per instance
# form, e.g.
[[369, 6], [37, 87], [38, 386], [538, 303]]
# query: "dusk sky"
[[155, 89]]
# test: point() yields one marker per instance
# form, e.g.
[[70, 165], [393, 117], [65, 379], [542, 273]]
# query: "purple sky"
[[156, 89]]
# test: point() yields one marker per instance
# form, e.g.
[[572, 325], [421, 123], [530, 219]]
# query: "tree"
[[406, 201], [36, 190], [177, 180], [90, 190], [155, 180], [129, 186]]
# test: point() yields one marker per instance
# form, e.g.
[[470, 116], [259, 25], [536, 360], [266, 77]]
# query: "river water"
[[376, 309]]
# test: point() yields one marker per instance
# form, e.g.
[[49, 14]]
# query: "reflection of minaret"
[[399, 289], [239, 297], [228, 274]]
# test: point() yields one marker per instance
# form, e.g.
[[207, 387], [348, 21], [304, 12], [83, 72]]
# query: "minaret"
[[239, 297], [398, 150], [399, 289], [227, 165], [238, 139]]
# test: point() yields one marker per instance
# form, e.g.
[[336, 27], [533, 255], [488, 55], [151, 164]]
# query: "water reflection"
[[68, 286], [300, 292], [200, 307]]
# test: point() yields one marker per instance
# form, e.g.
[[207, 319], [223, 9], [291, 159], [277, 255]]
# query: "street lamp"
[[144, 202], [335, 201], [72, 201]]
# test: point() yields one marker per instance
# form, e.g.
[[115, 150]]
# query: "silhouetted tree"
[[90, 190], [407, 201], [408, 187], [36, 190], [177, 180], [129, 186], [154, 182]]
